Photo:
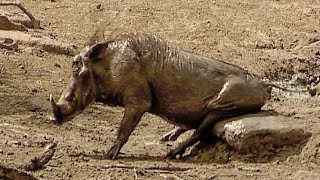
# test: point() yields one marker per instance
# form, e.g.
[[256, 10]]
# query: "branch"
[[34, 164], [150, 168], [34, 21], [39, 162]]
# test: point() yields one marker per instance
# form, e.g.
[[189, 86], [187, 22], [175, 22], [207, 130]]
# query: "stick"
[[39, 162], [34, 21], [13, 173], [56, 7], [135, 173], [170, 176], [150, 168]]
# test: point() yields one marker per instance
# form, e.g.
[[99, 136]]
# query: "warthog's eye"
[[76, 66]]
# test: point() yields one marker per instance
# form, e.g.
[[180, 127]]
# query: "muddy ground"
[[275, 39]]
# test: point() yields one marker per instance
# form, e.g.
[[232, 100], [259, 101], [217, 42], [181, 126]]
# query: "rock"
[[6, 24], [57, 65], [259, 132], [14, 143], [9, 44], [44, 43], [263, 41], [21, 67], [317, 55], [299, 79], [99, 6]]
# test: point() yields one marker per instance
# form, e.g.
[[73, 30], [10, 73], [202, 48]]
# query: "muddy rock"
[[9, 44], [259, 132]]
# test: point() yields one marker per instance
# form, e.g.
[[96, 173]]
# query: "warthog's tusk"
[[53, 103], [54, 108]]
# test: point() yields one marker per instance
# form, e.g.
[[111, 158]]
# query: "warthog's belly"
[[186, 114]]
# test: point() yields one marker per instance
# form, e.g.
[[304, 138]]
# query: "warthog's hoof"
[[175, 154]]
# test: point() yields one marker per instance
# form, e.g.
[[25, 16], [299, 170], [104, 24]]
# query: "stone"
[[252, 133]]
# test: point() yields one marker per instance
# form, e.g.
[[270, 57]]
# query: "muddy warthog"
[[144, 73]]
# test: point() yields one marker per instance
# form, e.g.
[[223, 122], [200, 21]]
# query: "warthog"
[[144, 73]]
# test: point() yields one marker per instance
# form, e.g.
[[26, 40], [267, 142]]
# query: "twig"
[[34, 164], [39, 162], [149, 168], [135, 173], [34, 21], [56, 7], [170, 176]]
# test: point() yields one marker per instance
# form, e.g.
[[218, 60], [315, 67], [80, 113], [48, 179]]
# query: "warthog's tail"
[[272, 85]]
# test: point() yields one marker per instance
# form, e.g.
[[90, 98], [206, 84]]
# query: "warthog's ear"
[[97, 51]]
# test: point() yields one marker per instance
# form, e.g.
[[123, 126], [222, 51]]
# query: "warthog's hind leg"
[[204, 127], [174, 134]]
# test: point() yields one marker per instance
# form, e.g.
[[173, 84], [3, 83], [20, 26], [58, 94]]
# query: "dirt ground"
[[275, 39]]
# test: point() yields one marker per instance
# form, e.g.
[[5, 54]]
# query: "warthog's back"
[[165, 64]]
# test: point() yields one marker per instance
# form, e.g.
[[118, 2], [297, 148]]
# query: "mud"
[[271, 39]]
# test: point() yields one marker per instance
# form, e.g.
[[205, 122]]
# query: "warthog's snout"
[[64, 110]]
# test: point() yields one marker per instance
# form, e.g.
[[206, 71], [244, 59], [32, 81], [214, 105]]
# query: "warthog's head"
[[81, 90]]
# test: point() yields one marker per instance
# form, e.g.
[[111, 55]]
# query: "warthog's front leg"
[[130, 120], [137, 101]]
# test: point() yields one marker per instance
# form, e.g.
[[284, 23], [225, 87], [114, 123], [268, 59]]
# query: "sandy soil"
[[275, 39]]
